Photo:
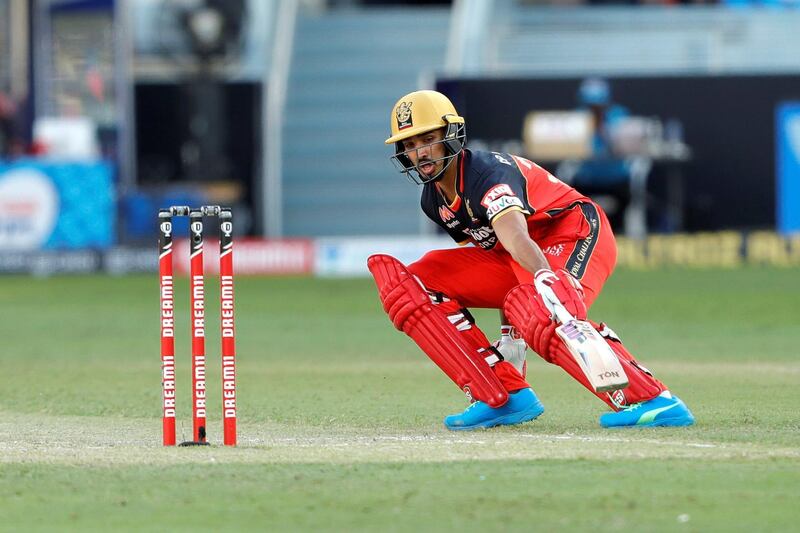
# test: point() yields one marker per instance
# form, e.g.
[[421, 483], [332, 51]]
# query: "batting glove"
[[513, 348]]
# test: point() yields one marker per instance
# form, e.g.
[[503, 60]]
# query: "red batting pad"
[[525, 311], [461, 356]]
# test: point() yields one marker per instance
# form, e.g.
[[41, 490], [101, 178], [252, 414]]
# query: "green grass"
[[340, 415]]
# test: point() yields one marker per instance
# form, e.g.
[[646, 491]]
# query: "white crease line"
[[584, 438], [349, 440], [362, 440]]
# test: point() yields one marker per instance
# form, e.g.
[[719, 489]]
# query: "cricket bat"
[[596, 359]]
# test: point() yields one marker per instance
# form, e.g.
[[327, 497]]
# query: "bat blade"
[[595, 358]]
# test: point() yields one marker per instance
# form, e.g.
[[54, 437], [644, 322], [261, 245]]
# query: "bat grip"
[[561, 313], [551, 301]]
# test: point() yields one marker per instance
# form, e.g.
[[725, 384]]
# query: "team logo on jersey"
[[469, 211], [403, 112], [496, 192], [445, 214]]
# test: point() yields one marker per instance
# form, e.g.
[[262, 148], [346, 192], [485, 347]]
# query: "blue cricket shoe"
[[663, 410], [522, 405]]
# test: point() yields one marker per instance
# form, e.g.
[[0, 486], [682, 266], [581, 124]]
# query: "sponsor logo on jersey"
[[479, 234], [555, 250], [501, 204], [403, 113], [582, 252], [488, 244], [445, 214], [483, 236], [496, 192], [579, 258]]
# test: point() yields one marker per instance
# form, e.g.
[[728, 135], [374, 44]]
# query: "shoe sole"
[[666, 422], [682, 421], [506, 420]]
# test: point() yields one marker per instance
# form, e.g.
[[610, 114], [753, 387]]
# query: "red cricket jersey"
[[571, 230]]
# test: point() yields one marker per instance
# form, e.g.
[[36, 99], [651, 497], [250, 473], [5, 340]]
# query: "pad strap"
[[447, 336], [524, 309]]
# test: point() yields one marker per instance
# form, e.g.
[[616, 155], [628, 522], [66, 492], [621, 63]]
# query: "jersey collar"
[[456, 203]]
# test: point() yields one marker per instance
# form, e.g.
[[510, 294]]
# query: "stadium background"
[[280, 110], [112, 109]]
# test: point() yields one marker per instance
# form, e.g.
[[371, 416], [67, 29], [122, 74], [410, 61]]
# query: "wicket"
[[197, 319]]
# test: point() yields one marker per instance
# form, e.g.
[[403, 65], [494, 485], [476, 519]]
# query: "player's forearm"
[[526, 252], [512, 231]]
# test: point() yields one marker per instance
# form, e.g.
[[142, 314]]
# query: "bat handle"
[[562, 314], [551, 300]]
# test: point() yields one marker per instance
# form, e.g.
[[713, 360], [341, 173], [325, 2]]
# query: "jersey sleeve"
[[501, 189]]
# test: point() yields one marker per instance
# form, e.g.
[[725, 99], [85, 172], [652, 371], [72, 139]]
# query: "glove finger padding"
[[565, 288], [525, 311], [573, 291]]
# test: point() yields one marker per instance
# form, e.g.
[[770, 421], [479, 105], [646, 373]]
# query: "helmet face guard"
[[422, 112], [454, 139]]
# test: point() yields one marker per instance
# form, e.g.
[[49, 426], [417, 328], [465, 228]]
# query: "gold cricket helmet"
[[420, 112]]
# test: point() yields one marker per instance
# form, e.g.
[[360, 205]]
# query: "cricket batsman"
[[540, 253]]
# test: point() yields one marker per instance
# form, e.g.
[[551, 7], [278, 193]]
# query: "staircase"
[[348, 68]]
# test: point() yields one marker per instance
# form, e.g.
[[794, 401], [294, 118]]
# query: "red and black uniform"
[[572, 231]]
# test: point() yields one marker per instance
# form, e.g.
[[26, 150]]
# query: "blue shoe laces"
[[633, 407], [638, 405], [470, 406]]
